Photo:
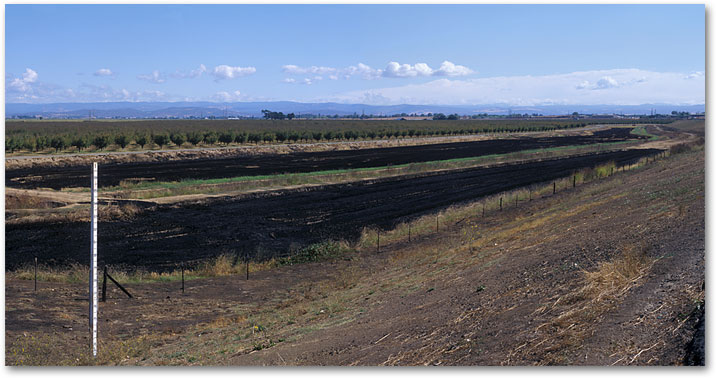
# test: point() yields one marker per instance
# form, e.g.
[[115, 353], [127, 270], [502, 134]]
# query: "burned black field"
[[265, 225], [113, 174]]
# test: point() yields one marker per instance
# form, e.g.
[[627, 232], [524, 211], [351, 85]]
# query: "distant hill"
[[253, 109]]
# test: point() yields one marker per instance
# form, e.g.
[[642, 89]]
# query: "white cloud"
[[191, 74], [305, 81], [395, 69], [155, 77], [583, 85], [197, 72], [392, 70], [604, 87], [224, 96], [228, 72], [364, 71], [448, 68], [607, 82], [29, 76], [694, 75], [104, 72], [24, 84], [292, 69]]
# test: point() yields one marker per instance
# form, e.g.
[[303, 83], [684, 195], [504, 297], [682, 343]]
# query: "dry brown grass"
[[27, 201], [220, 266], [600, 291], [73, 213], [42, 350]]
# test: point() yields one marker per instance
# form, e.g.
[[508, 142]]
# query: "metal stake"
[[93, 263]]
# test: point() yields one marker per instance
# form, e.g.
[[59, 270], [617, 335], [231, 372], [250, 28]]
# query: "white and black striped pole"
[[93, 263]]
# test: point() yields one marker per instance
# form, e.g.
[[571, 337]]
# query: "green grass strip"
[[641, 130]]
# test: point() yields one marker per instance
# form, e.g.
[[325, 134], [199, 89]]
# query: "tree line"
[[78, 136], [79, 142]]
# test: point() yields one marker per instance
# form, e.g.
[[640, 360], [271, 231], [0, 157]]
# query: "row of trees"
[[443, 117], [121, 140], [277, 115]]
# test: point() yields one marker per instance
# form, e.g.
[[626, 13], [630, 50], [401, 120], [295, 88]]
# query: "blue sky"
[[430, 54]]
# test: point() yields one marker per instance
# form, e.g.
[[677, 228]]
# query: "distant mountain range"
[[253, 109]]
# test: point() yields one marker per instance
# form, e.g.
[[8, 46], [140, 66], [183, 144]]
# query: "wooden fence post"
[[35, 273], [554, 187], [437, 223], [182, 278], [378, 243], [574, 182], [247, 269]]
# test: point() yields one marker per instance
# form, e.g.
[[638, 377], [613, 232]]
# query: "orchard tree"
[[269, 137], [141, 140], [160, 139], [226, 137], [79, 142], [195, 138], [121, 140], [58, 143], [100, 141], [42, 142], [177, 138], [210, 138], [28, 143], [254, 138], [240, 138]]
